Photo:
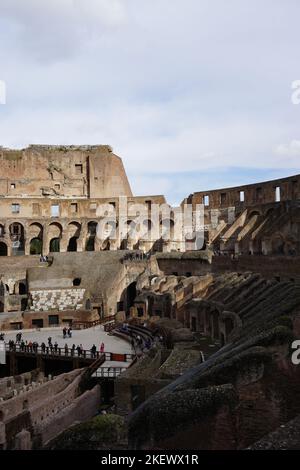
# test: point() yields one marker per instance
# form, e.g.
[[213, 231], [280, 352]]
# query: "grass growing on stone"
[[102, 432]]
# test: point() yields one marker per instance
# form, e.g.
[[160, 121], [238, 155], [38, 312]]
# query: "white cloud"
[[290, 150], [173, 86], [50, 30]]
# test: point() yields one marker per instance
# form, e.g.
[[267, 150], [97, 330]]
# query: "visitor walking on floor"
[[102, 348], [93, 351]]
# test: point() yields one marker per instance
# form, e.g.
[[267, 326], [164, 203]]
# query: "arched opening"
[[167, 229], [16, 231], [24, 303], [277, 244], [54, 245], [55, 235], [3, 249], [128, 298], [72, 246], [22, 288], [76, 282], [254, 213], [35, 233], [36, 246], [88, 304]]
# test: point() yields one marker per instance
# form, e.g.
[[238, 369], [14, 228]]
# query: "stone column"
[[23, 440]]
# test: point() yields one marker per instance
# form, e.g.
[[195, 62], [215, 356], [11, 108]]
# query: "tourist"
[[102, 348], [64, 332], [93, 351], [66, 349], [70, 332], [30, 346], [55, 347], [43, 347], [78, 349], [73, 350], [22, 345], [49, 341]]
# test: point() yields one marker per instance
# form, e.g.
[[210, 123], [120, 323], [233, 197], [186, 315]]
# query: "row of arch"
[[40, 239]]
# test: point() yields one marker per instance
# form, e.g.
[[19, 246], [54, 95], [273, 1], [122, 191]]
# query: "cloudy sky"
[[192, 94]]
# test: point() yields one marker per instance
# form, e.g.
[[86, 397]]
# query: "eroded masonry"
[[211, 328]]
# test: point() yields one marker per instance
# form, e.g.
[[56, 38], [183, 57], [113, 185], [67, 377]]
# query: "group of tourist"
[[67, 332], [136, 341], [44, 259], [52, 348]]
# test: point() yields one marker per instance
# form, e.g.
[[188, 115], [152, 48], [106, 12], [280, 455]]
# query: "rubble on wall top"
[[70, 147]]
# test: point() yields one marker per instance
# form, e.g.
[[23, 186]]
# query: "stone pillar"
[[40, 363], [13, 365], [2, 435], [23, 440], [27, 247]]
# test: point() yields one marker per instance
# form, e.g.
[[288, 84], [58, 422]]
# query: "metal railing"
[[67, 352], [109, 372]]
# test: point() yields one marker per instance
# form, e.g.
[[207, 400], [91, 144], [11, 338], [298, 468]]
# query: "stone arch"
[[167, 229], [278, 243], [270, 212], [17, 236], [2, 230], [55, 230], [36, 230], [128, 297], [254, 212], [73, 230]]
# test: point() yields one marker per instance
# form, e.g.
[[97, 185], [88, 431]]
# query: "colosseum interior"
[[211, 327]]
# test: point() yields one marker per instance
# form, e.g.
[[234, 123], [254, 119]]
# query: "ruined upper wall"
[[62, 171], [284, 189]]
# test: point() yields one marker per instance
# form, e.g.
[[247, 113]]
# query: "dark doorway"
[[22, 288], [72, 246], [38, 323], [130, 296], [36, 246], [3, 249], [54, 246], [53, 320]]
